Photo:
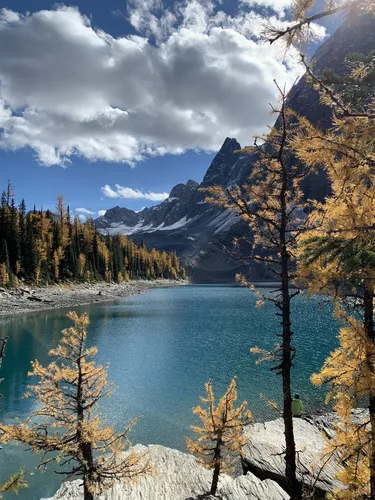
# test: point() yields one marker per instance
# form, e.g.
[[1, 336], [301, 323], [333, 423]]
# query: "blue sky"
[[81, 182], [138, 94]]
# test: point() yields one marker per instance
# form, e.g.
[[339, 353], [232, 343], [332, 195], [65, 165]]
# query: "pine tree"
[[31, 264], [221, 432], [4, 263], [66, 427], [339, 259], [9, 193], [14, 239], [4, 253], [22, 231]]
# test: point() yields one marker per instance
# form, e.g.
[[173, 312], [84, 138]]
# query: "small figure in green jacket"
[[297, 407]]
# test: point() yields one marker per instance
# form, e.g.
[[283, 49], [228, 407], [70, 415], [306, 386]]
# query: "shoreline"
[[26, 300]]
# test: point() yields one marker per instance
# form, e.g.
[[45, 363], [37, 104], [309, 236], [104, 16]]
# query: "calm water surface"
[[162, 347]]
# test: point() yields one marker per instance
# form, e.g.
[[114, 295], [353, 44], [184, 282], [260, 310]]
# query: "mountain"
[[186, 223], [198, 231]]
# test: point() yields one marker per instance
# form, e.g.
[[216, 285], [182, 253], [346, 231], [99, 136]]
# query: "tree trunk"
[[217, 458], [369, 327], [286, 363], [85, 447], [215, 479], [286, 366], [86, 493]]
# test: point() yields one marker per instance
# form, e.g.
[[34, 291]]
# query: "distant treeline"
[[45, 247]]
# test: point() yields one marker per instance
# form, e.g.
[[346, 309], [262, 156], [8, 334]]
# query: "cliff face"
[[197, 231]]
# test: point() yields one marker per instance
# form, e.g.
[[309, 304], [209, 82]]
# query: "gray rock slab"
[[178, 476], [264, 452]]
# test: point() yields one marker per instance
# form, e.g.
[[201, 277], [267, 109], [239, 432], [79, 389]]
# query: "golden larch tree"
[[221, 436], [67, 427], [272, 205], [338, 255], [338, 259]]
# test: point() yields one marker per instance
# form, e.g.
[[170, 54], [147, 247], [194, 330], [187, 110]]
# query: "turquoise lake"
[[162, 347]]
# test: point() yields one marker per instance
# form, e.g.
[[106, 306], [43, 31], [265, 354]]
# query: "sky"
[[113, 103]]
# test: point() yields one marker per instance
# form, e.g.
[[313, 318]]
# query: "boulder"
[[249, 487], [264, 452], [178, 476], [326, 422]]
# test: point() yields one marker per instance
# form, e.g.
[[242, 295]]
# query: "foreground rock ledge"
[[264, 451], [178, 476]]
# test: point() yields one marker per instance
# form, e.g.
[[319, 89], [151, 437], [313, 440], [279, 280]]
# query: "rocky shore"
[[25, 299], [178, 476]]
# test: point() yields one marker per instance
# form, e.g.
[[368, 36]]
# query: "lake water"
[[162, 347]]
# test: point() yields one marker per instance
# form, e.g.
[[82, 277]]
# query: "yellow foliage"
[[13, 484], [81, 264], [337, 254], [350, 373], [221, 429], [264, 355], [4, 275], [66, 420], [58, 255], [337, 257], [37, 275]]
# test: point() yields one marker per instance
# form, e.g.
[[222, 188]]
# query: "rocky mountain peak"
[[117, 215], [192, 184], [219, 172], [356, 34], [183, 190], [177, 191], [229, 146]]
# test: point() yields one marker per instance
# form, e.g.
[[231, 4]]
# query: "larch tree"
[[337, 256], [272, 204], [221, 437], [66, 426]]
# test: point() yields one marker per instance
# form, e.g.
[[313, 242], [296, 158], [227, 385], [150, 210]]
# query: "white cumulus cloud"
[[129, 193], [84, 211], [102, 212], [191, 77]]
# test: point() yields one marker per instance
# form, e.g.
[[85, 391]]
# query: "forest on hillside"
[[44, 247]]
